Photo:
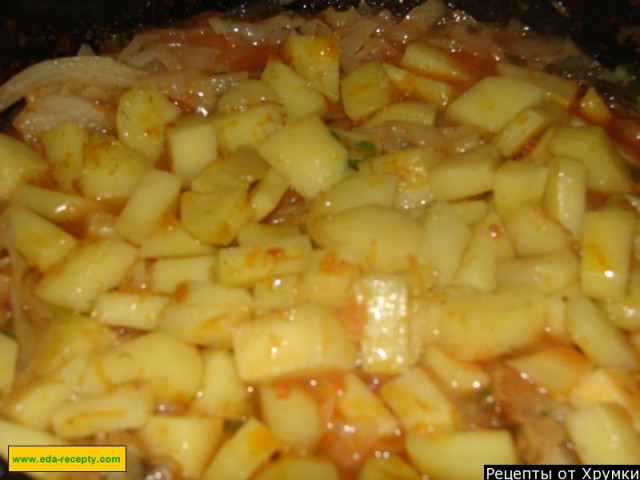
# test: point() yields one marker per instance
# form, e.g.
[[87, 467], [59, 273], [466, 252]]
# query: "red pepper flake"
[[283, 390], [181, 292], [494, 230], [275, 252]]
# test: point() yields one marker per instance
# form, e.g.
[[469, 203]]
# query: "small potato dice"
[[317, 60], [532, 232], [388, 238], [243, 266], [40, 242], [516, 183], [18, 163], [64, 146], [91, 269], [108, 412], [293, 415], [8, 362], [243, 453], [214, 217], [167, 274], [51, 204], [418, 402], [603, 434], [246, 94], [365, 91], [454, 374], [297, 97], [237, 170], [412, 112], [143, 113], [192, 145], [296, 468], [493, 102], [188, 440], [565, 197], [606, 253], [384, 346], [130, 310], [438, 455], [170, 239], [426, 89], [310, 342], [307, 155], [561, 91], [548, 273], [465, 175], [606, 171], [389, 467], [266, 195], [156, 193], [433, 62], [594, 108], [525, 127], [248, 128]]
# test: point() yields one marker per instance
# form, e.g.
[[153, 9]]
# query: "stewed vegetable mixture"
[[351, 246]]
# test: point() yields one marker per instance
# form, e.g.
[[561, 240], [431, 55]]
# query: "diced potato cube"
[[565, 197], [561, 91], [607, 237], [243, 266], [297, 97], [40, 242], [192, 145], [412, 112], [35, 403], [307, 155], [454, 374], [444, 241], [168, 273], [170, 239], [248, 128], [609, 385], [439, 455], [91, 269], [598, 338], [359, 405], [243, 453], [384, 346], [517, 183], [130, 310], [252, 234], [603, 434], [293, 415], [427, 89], [625, 313], [555, 368], [143, 113], [606, 171], [482, 326], [389, 467], [111, 169], [295, 468], [594, 108], [246, 94], [493, 102], [310, 342], [532, 232], [64, 147], [8, 362], [548, 273], [266, 195], [108, 412], [525, 127], [276, 293], [238, 170], [18, 163], [170, 368], [418, 402], [388, 238], [205, 313], [330, 275], [365, 91], [465, 175], [433, 62], [156, 192], [471, 211], [317, 60], [214, 217], [222, 393], [188, 440], [51, 204]]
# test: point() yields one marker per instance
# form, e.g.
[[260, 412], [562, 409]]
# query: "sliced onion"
[[100, 71]]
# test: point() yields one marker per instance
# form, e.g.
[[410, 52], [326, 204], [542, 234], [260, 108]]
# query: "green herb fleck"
[[8, 333], [367, 148], [231, 425], [635, 175], [334, 134], [353, 164]]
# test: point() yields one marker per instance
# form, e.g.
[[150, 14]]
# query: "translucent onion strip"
[[98, 71]]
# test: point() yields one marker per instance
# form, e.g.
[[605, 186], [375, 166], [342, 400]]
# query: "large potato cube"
[[130, 310], [238, 170], [167, 274], [310, 342], [250, 127], [516, 183], [170, 239], [192, 145], [433, 62], [565, 197], [561, 91], [493, 102], [64, 147], [532, 232], [52, 204], [317, 60], [365, 91], [307, 155], [18, 163], [426, 89]]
